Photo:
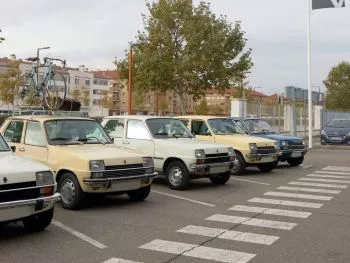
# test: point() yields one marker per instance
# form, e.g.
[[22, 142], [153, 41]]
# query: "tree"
[[85, 96], [10, 82], [105, 101], [163, 105], [187, 49], [76, 94], [202, 108], [138, 101], [216, 110], [338, 87]]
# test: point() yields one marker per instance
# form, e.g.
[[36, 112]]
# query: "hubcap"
[[67, 191], [236, 167], [175, 175]]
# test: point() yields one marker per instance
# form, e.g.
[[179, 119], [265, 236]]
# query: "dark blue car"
[[337, 131], [292, 149]]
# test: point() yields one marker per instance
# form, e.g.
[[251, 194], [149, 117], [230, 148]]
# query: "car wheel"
[[296, 161], [38, 222], [241, 165], [268, 167], [220, 178], [71, 194], [139, 194], [177, 175]]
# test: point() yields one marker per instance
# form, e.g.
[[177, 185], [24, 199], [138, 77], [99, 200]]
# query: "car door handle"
[[21, 149]]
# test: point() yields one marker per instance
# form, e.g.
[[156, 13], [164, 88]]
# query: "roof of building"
[[108, 74]]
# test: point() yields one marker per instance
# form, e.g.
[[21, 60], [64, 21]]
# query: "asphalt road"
[[237, 222]]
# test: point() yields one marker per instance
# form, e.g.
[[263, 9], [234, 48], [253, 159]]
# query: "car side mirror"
[[13, 148]]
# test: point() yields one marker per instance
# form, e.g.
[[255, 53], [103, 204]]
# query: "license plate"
[[336, 138], [267, 159], [296, 154], [217, 170]]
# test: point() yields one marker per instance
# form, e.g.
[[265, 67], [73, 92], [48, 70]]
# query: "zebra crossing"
[[320, 187]]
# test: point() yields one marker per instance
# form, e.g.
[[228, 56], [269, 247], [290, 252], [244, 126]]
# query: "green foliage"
[[216, 110], [187, 49], [10, 81], [85, 96], [202, 108], [163, 105], [138, 101], [338, 87]]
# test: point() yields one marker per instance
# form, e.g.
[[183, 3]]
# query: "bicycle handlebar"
[[63, 61]]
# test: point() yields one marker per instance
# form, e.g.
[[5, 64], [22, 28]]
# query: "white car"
[[176, 153], [27, 190]]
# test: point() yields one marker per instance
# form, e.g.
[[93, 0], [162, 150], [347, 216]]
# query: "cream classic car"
[[82, 157], [27, 190], [250, 150], [176, 153]]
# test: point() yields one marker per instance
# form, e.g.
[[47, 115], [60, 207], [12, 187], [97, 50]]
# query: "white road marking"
[[337, 168], [329, 176], [120, 260], [195, 251], [270, 211], [183, 198], [252, 221], [249, 181], [79, 235], [285, 202], [307, 166], [229, 235], [340, 186], [324, 180], [312, 190], [313, 197], [327, 172]]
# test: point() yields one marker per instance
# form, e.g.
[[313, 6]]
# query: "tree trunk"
[[182, 102]]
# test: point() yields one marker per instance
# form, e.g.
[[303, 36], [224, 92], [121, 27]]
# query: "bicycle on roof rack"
[[50, 90]]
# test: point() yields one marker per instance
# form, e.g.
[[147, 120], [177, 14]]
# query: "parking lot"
[[238, 222]]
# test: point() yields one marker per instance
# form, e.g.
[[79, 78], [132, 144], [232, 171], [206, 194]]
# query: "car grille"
[[216, 158], [124, 170], [267, 150], [16, 195], [297, 147]]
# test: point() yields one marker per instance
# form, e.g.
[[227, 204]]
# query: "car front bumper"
[[290, 154], [325, 139], [13, 210], [258, 158], [211, 169]]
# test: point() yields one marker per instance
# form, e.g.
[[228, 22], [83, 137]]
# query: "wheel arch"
[[170, 160]]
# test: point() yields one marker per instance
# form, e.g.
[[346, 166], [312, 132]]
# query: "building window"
[[76, 81], [87, 82]]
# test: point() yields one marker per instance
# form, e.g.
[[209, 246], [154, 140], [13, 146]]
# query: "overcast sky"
[[94, 32]]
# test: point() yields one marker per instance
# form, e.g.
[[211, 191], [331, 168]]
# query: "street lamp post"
[[130, 77], [38, 63]]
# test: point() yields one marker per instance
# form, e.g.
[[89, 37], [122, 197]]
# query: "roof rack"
[[33, 111]]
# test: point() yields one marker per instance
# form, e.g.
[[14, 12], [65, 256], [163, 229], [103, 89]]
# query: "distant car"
[[27, 190], [292, 149], [337, 131]]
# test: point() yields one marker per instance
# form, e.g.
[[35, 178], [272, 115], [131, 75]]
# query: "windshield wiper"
[[65, 140], [161, 133]]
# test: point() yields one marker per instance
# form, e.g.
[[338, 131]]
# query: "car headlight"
[[148, 164], [284, 144], [231, 153], [44, 178], [96, 165], [200, 154], [323, 133], [277, 145], [348, 134], [253, 148]]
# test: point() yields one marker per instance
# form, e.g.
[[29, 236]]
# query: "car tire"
[[177, 175], [220, 178], [38, 222], [241, 165], [140, 194], [71, 194], [266, 168], [296, 161]]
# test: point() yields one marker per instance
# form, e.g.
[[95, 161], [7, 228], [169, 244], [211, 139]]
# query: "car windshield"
[[339, 124], [65, 132], [3, 145], [224, 127], [256, 126], [164, 128]]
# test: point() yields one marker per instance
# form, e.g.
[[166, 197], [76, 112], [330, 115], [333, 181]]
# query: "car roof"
[[42, 118], [137, 117], [204, 117]]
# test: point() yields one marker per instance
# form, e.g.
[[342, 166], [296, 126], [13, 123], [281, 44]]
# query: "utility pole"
[[130, 77]]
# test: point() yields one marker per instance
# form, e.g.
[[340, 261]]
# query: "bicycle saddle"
[[32, 59]]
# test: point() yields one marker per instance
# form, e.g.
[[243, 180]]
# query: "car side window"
[[185, 122], [115, 128], [34, 135], [137, 130], [199, 128], [14, 132]]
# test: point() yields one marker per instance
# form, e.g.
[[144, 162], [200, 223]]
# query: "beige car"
[[82, 156], [250, 150]]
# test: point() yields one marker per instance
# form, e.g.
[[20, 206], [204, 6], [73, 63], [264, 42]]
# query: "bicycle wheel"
[[29, 94], [55, 91]]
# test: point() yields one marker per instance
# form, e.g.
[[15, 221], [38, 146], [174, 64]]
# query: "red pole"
[[130, 82]]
